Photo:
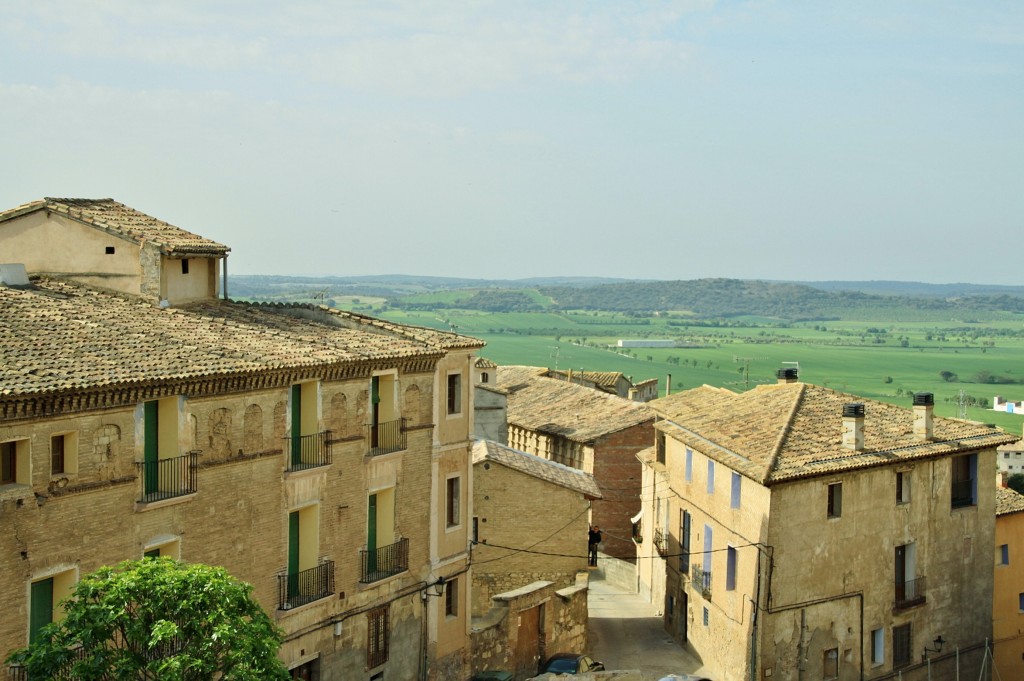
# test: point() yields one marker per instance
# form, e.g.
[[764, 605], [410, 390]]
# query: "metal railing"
[[962, 493], [309, 451], [168, 478], [384, 561], [17, 672], [299, 588], [909, 593], [660, 541], [701, 579], [386, 437]]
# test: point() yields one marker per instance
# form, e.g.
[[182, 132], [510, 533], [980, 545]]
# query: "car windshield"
[[562, 664]]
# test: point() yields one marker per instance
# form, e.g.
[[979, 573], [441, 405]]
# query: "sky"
[[783, 140]]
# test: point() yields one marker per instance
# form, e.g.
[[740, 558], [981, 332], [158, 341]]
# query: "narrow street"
[[626, 633]]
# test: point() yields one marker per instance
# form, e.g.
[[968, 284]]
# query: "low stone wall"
[[494, 635], [618, 572]]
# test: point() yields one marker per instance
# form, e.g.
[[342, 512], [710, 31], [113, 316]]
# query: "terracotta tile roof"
[[484, 363], [781, 432], [556, 473], [607, 379], [1017, 446], [557, 407], [1008, 501], [117, 218], [438, 339], [58, 336]]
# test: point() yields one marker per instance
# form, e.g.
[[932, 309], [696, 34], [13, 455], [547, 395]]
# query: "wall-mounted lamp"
[[937, 649], [435, 589]]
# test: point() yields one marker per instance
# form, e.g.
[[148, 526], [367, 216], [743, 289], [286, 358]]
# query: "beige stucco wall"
[[829, 560], [55, 244], [198, 284], [1007, 617], [723, 644]]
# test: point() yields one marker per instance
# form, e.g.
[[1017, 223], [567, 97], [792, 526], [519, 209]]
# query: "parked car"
[[571, 663]]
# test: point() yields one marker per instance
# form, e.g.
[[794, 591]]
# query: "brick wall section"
[[517, 510], [618, 472]]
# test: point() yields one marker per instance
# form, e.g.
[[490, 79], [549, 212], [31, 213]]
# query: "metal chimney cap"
[[854, 409], [787, 373], [924, 399]]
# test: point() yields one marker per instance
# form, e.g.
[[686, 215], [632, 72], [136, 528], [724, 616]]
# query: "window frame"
[[877, 647], [711, 476], [830, 656], [451, 598], [16, 460], [731, 563], [956, 477], [834, 506], [453, 502], [735, 498], [902, 645], [1003, 557], [689, 465], [378, 636], [903, 487], [453, 394]]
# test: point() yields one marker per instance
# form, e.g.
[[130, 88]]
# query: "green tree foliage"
[[948, 376], [1016, 483], [157, 619]]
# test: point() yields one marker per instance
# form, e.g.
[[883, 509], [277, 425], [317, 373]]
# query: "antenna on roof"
[[557, 350]]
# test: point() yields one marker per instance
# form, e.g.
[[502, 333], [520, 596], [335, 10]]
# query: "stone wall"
[[618, 473], [495, 635]]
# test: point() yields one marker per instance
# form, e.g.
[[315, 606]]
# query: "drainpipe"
[[423, 638]]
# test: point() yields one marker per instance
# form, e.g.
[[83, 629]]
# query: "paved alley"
[[626, 633]]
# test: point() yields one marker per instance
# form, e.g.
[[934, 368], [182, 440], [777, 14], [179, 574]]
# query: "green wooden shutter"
[[371, 535], [41, 607], [293, 553], [296, 425], [151, 445]]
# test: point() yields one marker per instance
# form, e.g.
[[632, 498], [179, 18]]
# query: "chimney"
[[788, 375], [853, 426], [924, 404], [668, 385]]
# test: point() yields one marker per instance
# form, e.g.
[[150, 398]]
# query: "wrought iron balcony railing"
[[384, 561], [909, 593], [298, 588], [660, 541], [16, 672], [309, 451], [168, 478], [701, 579], [386, 437]]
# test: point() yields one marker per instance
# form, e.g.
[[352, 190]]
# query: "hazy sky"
[[668, 140]]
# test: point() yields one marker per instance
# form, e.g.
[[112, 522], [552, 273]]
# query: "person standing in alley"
[[593, 539]]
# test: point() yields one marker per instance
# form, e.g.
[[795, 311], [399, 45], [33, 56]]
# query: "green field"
[[881, 360]]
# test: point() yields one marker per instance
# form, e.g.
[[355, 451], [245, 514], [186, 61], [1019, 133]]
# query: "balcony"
[[168, 478], [309, 451], [384, 561], [702, 580], [303, 587], [661, 541], [909, 593], [17, 673], [386, 437]]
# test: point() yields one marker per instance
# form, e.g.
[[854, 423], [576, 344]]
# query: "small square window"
[[706, 617], [711, 477], [1020, 602], [835, 500], [877, 647], [184, 266], [109, 250], [1004, 555], [737, 481]]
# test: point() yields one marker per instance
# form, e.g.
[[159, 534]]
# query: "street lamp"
[[937, 649]]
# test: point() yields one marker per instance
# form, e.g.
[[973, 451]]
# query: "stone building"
[[1010, 460], [1008, 590], [320, 455], [523, 501], [586, 429], [797, 532], [611, 382]]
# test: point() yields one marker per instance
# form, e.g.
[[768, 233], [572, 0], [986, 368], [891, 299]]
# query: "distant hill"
[[703, 298]]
